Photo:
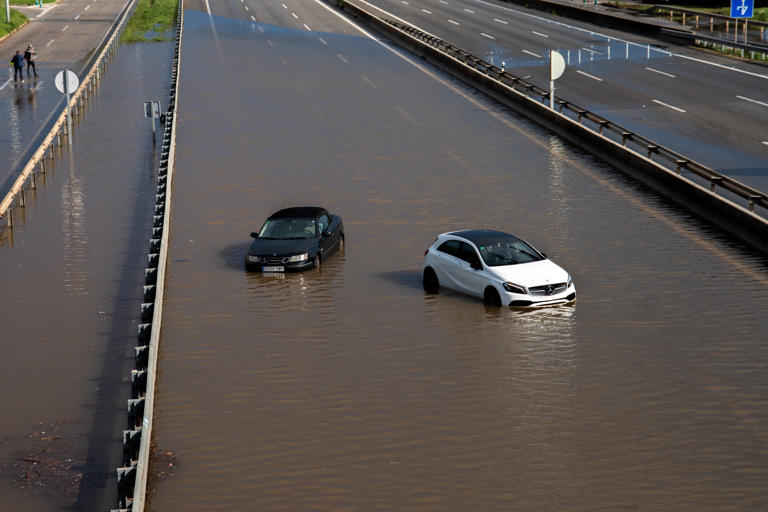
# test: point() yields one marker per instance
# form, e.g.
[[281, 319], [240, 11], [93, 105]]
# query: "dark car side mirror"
[[327, 233], [254, 234], [476, 265]]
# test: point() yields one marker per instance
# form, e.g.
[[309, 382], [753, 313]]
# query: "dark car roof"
[[483, 236], [299, 212]]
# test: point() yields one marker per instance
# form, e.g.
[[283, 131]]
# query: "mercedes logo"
[[549, 290]]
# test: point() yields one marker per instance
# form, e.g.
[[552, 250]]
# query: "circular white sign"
[[72, 81], [556, 65]]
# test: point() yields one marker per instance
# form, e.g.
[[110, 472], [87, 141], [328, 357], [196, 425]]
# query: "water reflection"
[[73, 218]]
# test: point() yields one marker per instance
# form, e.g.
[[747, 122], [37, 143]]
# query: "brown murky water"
[[71, 275], [349, 388]]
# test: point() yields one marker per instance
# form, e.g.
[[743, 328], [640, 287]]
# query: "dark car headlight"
[[515, 288], [252, 259]]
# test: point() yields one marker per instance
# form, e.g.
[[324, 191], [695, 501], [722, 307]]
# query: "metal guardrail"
[[88, 87], [132, 476], [651, 149]]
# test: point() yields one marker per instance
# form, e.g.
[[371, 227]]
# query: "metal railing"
[[78, 100], [602, 126], [132, 475]]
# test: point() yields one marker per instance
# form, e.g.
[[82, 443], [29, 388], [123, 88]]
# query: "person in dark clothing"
[[18, 65], [29, 56]]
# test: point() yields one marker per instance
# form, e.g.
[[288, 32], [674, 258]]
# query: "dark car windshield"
[[508, 251], [286, 229]]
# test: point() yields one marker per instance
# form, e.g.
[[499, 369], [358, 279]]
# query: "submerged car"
[[295, 238], [501, 268]]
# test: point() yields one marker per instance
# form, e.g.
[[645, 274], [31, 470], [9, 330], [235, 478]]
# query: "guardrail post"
[[624, 137], [32, 182], [22, 201], [680, 165], [9, 220], [752, 199], [652, 149], [714, 181]]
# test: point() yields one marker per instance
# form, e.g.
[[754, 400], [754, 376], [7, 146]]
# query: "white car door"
[[471, 280], [448, 265]]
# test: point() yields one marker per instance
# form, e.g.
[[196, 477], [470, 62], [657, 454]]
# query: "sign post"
[[556, 70], [152, 111], [741, 9], [66, 87]]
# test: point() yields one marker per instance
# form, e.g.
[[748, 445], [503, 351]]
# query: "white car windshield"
[[508, 252], [287, 229]]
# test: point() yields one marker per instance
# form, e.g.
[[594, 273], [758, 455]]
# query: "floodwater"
[[349, 388], [71, 274]]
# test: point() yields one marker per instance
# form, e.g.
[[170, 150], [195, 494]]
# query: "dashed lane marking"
[[307, 27], [323, 41], [470, 11], [593, 77], [65, 28], [531, 53], [49, 43], [753, 101], [426, 11], [77, 17], [670, 75], [501, 21], [486, 35], [368, 81], [345, 61], [668, 106], [539, 33], [454, 22]]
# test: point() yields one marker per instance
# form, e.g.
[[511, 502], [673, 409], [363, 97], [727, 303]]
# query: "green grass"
[[17, 20], [28, 2], [151, 21]]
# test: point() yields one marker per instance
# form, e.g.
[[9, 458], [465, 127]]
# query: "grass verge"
[[17, 20], [151, 21]]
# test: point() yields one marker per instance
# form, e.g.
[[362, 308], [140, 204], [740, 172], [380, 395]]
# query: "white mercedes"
[[501, 268]]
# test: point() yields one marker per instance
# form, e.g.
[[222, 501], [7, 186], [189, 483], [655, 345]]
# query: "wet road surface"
[[349, 388], [72, 272]]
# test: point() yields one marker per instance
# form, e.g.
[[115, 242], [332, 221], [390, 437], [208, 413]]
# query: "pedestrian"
[[18, 67], [29, 56]]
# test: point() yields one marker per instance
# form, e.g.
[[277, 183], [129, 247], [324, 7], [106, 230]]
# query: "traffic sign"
[[72, 81], [742, 8]]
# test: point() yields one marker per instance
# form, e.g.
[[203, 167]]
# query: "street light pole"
[[7, 11]]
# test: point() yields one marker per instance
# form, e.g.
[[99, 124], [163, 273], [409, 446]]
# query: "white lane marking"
[[369, 82], [539, 33], [501, 21], [531, 53], [652, 211], [284, 6], [345, 61], [486, 35], [470, 11], [50, 42], [323, 41], [283, 61], [753, 101], [668, 106], [77, 17], [270, 43], [593, 77], [590, 50], [670, 75], [46, 11], [208, 8], [454, 22], [307, 27], [406, 3], [443, 2], [86, 8], [247, 8], [253, 18], [426, 11], [6, 83], [405, 114], [242, 1], [764, 142], [65, 28], [294, 15]]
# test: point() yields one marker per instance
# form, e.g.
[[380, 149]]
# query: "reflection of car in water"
[[295, 239], [499, 267]]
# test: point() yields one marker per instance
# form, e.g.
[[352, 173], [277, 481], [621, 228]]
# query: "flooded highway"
[[350, 388], [71, 274]]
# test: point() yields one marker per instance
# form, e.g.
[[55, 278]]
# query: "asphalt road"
[[706, 107]]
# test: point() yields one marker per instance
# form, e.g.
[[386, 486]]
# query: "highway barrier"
[[736, 208], [132, 475], [45, 155]]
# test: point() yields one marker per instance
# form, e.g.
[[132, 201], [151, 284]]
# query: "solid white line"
[[753, 101], [307, 27], [65, 28], [345, 61], [208, 8], [6, 83], [501, 21], [426, 11], [294, 15], [50, 42], [668, 106], [593, 77], [454, 22], [662, 72], [531, 53], [323, 41], [539, 33], [486, 35], [470, 11], [77, 17], [764, 142]]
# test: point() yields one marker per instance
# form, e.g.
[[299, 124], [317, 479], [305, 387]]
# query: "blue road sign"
[[742, 8]]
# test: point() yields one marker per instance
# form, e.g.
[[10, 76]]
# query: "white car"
[[499, 267]]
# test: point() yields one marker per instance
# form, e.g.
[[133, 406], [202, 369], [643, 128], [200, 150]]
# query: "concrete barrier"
[[132, 475], [647, 161]]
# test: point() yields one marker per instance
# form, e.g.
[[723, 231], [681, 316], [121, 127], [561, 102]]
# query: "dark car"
[[295, 239]]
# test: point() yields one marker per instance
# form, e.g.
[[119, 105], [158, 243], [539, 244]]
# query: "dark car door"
[[327, 243]]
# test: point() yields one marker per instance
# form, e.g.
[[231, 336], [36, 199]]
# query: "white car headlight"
[[253, 259], [298, 257], [515, 288]]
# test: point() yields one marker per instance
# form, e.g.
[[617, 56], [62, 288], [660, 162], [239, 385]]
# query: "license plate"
[[273, 269]]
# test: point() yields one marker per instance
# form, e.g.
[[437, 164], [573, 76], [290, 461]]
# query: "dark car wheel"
[[316, 261], [341, 242], [429, 281], [491, 297]]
